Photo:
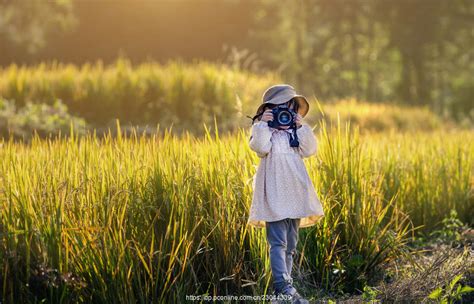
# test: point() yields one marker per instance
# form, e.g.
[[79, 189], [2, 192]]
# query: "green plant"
[[370, 294], [43, 119], [452, 292], [451, 228]]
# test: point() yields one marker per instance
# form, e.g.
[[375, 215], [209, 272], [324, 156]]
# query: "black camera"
[[282, 117]]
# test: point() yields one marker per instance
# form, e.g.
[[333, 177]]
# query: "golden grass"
[[155, 218]]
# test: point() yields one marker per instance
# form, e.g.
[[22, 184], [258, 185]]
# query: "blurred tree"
[[328, 47], [27, 24], [421, 31], [413, 51]]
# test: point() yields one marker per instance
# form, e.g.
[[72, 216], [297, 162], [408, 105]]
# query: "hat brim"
[[303, 105]]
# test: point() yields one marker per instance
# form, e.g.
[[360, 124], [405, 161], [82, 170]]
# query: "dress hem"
[[306, 221]]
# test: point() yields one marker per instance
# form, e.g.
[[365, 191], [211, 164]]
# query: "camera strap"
[[294, 137]]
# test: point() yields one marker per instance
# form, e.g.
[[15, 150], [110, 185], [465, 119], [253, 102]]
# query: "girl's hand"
[[298, 120], [267, 115]]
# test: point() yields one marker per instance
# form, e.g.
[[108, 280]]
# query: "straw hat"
[[281, 93]]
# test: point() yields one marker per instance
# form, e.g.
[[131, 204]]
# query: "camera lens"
[[284, 118]]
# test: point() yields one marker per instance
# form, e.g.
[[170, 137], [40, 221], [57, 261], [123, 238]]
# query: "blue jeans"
[[282, 236]]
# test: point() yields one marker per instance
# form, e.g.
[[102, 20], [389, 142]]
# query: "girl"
[[284, 198]]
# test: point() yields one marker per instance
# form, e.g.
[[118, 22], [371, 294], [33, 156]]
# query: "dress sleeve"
[[260, 138], [308, 143]]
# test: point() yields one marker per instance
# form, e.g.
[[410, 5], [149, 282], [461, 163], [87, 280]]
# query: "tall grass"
[[178, 93], [132, 218], [185, 94], [372, 117]]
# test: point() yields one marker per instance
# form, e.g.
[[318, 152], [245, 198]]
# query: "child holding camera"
[[284, 198]]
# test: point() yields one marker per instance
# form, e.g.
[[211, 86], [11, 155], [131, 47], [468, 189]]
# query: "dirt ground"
[[444, 264]]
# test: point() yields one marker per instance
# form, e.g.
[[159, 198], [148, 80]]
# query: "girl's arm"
[[308, 143], [260, 139]]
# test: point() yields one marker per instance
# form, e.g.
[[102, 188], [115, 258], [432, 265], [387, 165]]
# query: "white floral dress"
[[281, 186]]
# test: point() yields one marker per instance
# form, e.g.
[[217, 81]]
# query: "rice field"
[[138, 219], [184, 95], [148, 93]]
